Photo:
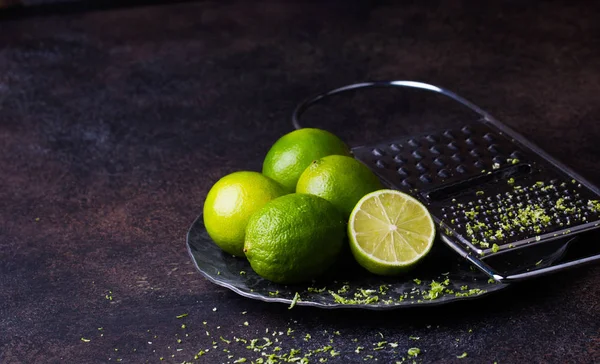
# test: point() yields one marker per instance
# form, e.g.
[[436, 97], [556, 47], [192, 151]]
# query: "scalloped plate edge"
[[300, 302]]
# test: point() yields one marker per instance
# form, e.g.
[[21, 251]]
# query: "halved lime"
[[390, 232]]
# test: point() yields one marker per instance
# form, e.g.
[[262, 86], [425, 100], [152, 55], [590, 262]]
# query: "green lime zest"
[[594, 205], [436, 289], [294, 301], [414, 352]]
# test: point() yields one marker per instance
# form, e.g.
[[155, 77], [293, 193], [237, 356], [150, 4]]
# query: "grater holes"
[[493, 169], [396, 147], [444, 173], [432, 138], [414, 143], [516, 155], [435, 150], [467, 130], [457, 157], [417, 155], [426, 178], [494, 149], [499, 159], [453, 146], [449, 134], [399, 159], [439, 161], [377, 152], [407, 183]]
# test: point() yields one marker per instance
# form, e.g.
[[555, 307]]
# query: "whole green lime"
[[340, 180], [293, 152], [230, 203], [294, 238]]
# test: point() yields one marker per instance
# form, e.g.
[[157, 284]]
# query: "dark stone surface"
[[114, 125]]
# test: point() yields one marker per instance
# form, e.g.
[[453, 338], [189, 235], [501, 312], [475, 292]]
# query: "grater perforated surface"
[[486, 189]]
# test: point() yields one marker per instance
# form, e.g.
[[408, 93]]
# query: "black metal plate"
[[347, 278]]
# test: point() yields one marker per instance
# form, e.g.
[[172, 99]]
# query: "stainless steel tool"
[[490, 190]]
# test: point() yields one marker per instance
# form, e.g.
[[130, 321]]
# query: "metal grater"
[[489, 190]]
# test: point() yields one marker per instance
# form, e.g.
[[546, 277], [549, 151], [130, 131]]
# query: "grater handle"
[[492, 273], [306, 104]]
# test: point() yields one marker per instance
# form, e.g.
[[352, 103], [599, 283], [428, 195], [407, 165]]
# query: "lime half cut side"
[[390, 232]]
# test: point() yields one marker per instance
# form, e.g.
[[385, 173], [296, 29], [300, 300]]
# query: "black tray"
[[347, 278]]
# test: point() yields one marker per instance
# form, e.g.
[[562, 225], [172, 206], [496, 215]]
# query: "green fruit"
[[293, 152], [340, 180], [390, 232], [294, 238], [230, 203]]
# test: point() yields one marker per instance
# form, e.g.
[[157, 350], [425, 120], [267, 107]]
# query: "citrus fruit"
[[389, 232], [340, 180], [293, 152], [230, 203], [294, 238]]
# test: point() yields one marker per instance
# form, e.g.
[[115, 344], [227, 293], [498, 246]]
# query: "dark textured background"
[[114, 124]]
